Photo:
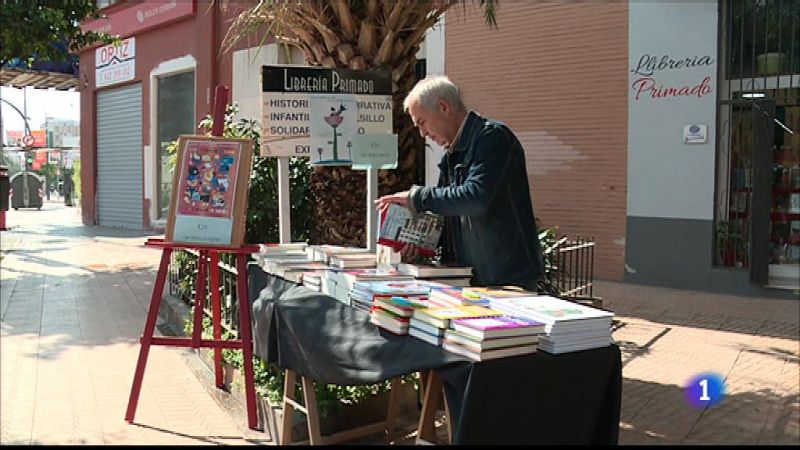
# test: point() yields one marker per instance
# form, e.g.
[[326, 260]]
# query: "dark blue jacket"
[[483, 185]]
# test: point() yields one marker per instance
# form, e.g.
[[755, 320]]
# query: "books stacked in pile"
[[364, 293], [457, 276], [324, 252], [486, 338], [340, 283], [353, 260], [569, 326], [429, 324], [392, 314], [313, 280], [444, 297], [284, 260]]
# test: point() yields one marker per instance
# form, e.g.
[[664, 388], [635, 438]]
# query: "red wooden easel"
[[208, 264]]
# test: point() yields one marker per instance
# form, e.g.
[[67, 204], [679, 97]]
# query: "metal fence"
[[574, 265], [182, 281]]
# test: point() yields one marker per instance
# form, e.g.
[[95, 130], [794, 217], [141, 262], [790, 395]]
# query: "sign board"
[[315, 112], [374, 151], [37, 138], [115, 63], [210, 186], [141, 16]]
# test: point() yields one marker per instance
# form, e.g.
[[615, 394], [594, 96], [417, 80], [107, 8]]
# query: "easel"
[[208, 264]]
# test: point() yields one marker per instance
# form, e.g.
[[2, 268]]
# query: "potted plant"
[[728, 242]]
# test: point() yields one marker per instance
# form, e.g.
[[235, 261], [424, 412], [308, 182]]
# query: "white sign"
[[297, 100], [115, 64], [695, 133], [374, 151]]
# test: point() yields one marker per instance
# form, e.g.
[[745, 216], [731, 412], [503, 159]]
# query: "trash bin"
[[4, 188], [27, 190]]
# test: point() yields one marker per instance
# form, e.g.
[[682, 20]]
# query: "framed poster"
[[210, 186]]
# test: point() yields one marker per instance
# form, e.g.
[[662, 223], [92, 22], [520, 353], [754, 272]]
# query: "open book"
[[399, 226]]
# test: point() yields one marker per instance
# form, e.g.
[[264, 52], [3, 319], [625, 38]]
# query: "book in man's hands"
[[399, 226]]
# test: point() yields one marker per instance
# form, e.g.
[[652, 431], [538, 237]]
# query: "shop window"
[[175, 116], [757, 217]]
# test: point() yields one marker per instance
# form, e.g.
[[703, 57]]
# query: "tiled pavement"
[[73, 301]]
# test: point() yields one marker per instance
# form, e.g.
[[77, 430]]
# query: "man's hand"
[[400, 198], [409, 253]]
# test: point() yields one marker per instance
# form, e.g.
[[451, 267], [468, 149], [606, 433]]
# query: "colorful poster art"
[[210, 186], [207, 186]]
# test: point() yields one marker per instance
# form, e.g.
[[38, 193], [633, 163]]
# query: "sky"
[[40, 103]]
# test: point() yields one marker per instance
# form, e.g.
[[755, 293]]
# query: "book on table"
[[399, 226], [455, 296], [489, 354], [400, 306], [388, 320], [440, 317], [418, 333], [434, 271], [554, 312], [500, 326], [425, 327], [498, 292], [475, 344], [356, 260]]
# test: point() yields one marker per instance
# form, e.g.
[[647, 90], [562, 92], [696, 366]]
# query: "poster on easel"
[[210, 186]]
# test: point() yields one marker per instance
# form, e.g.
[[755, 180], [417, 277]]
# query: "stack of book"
[[429, 324], [364, 293], [392, 314], [323, 252], [457, 276], [444, 297], [569, 326], [340, 283], [486, 338], [313, 280], [292, 270], [353, 260]]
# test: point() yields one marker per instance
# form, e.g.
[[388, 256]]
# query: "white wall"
[[666, 177]]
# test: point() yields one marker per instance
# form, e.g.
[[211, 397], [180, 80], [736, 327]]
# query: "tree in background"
[[358, 35], [33, 29]]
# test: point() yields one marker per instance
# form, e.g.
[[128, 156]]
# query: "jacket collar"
[[470, 125]]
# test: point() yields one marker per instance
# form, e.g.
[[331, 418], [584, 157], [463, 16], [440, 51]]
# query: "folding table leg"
[[289, 379], [426, 429], [245, 333], [216, 316], [147, 335], [312, 411]]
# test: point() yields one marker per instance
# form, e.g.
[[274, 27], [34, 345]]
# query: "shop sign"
[[649, 67], [316, 112], [115, 63], [140, 16]]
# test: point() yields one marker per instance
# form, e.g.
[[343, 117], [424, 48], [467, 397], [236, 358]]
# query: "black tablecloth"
[[572, 398]]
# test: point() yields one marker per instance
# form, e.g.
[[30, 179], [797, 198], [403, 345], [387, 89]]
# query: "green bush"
[[76, 178]]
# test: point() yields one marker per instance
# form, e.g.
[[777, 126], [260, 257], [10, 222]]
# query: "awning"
[[41, 79]]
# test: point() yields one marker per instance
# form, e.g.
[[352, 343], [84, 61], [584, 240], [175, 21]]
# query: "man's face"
[[437, 124]]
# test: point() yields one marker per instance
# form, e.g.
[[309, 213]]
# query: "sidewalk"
[[73, 301]]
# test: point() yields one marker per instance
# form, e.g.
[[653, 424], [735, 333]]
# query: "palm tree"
[[358, 35]]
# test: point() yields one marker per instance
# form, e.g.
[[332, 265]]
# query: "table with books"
[[567, 392]]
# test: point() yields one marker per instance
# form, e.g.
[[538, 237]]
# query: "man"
[[483, 189]]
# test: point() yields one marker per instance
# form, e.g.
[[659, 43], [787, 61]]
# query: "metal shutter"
[[119, 157]]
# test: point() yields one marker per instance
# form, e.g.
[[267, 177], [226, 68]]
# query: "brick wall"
[[557, 75]]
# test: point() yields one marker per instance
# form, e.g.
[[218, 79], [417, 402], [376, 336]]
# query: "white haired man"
[[483, 189]]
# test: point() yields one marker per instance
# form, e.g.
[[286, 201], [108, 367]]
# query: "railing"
[[182, 278], [574, 264]]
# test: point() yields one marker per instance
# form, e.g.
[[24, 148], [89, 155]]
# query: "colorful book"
[[497, 292], [494, 327], [426, 327], [456, 296], [397, 305], [399, 226], [489, 354], [440, 317], [477, 345]]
